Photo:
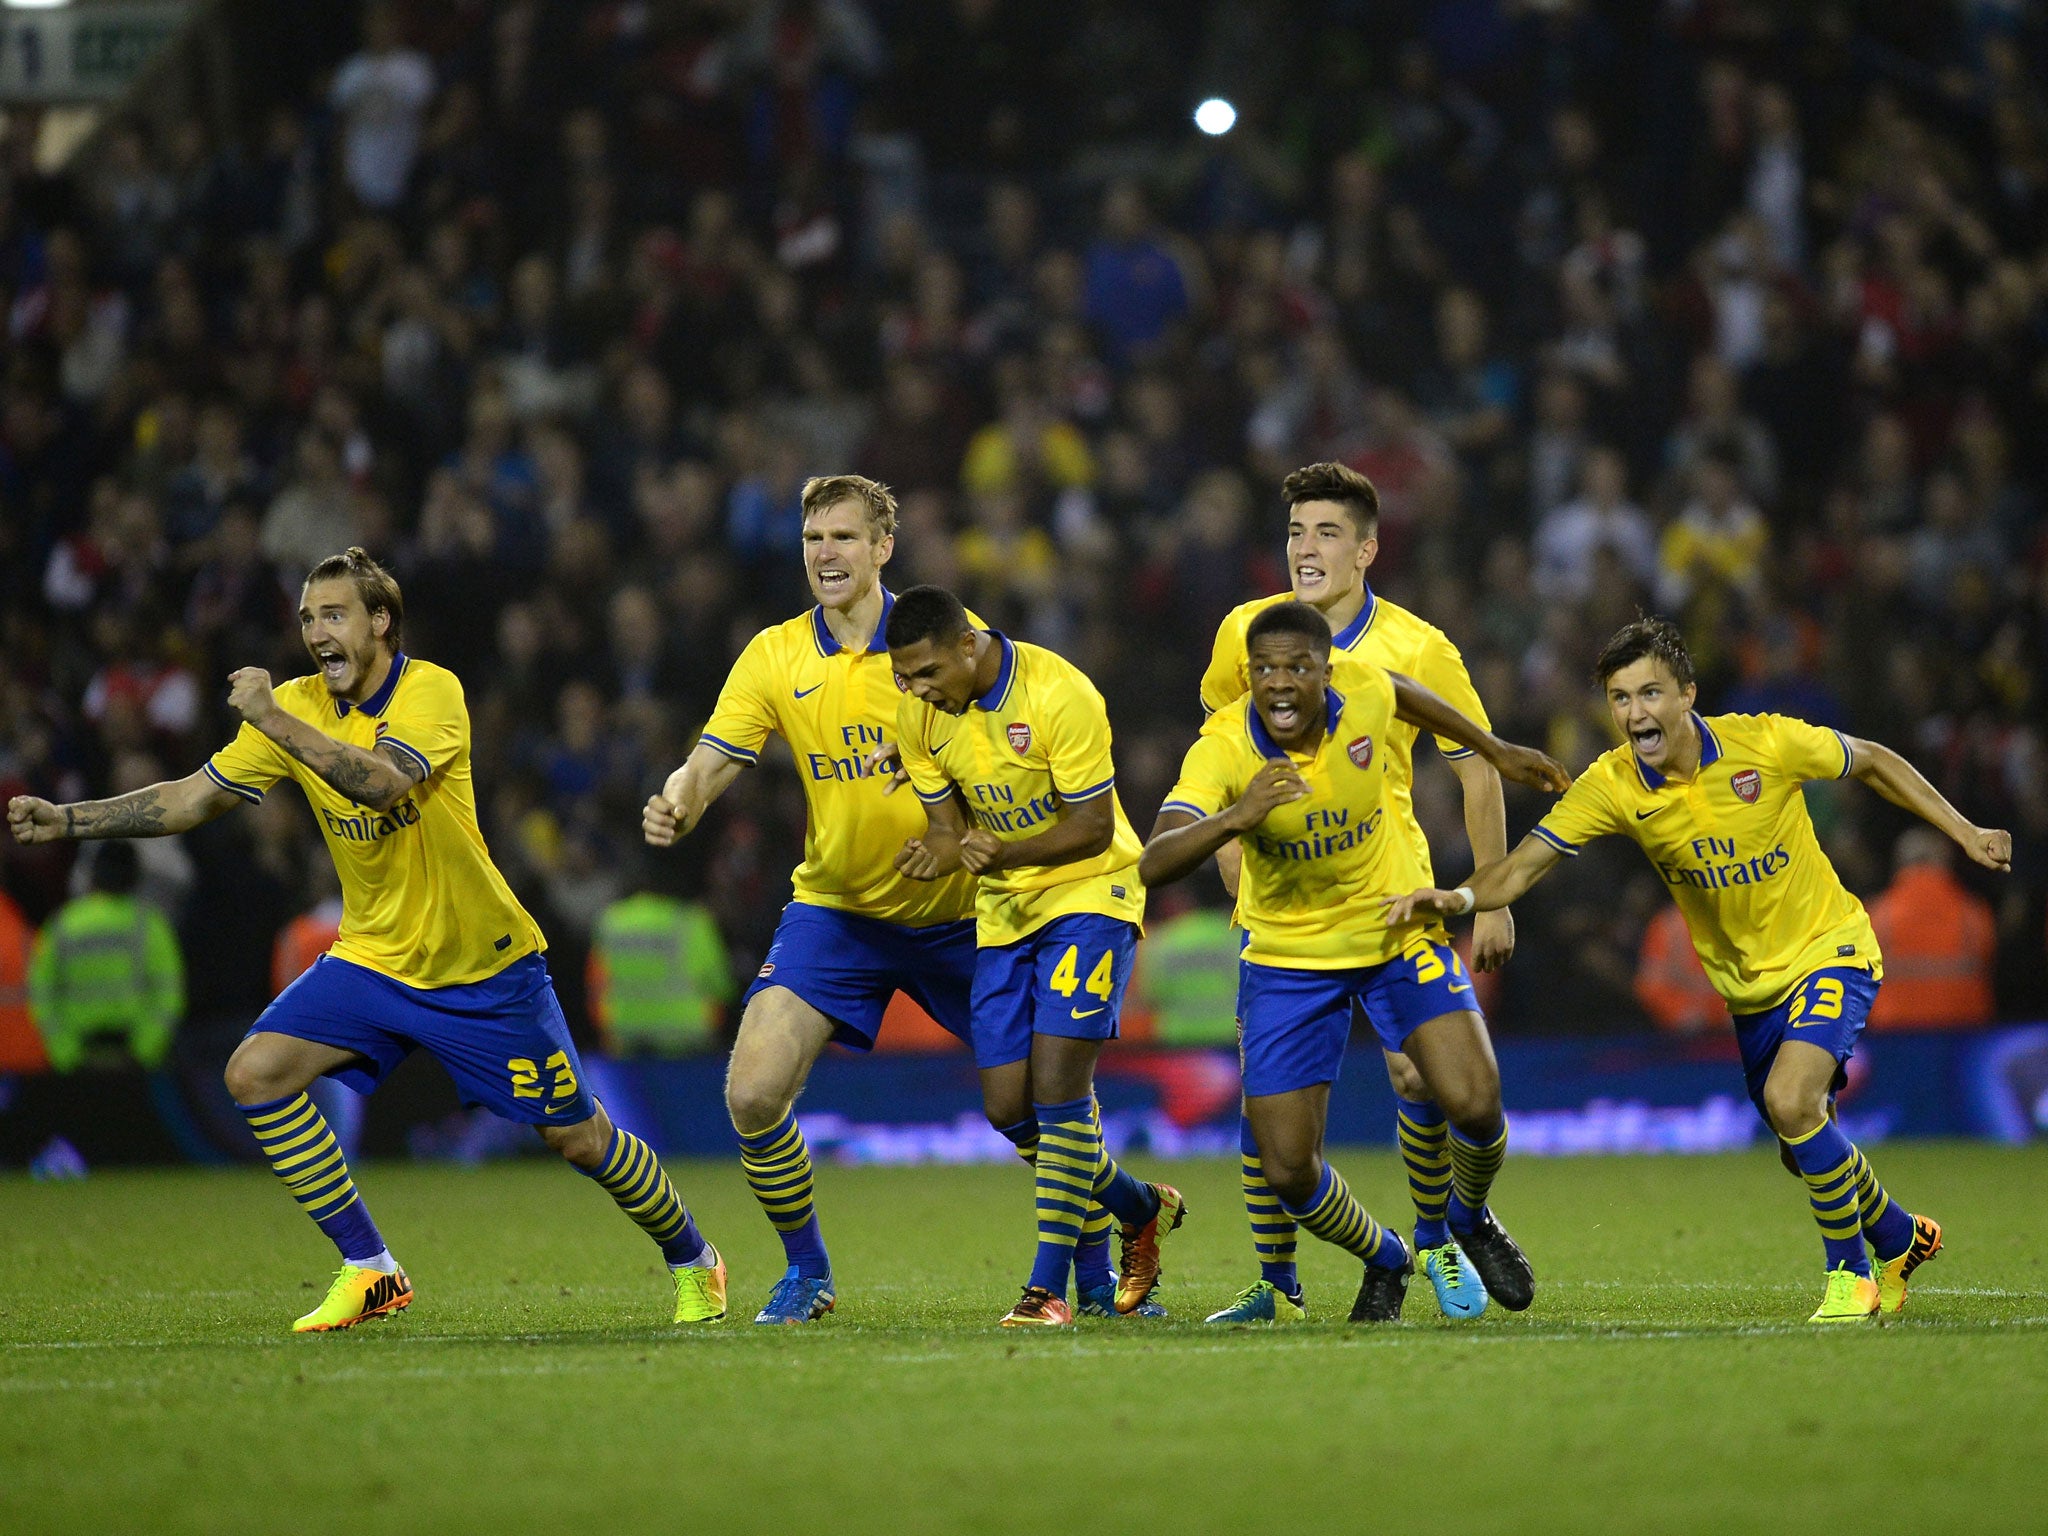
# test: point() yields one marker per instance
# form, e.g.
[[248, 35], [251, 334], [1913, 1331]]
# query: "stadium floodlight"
[[34, 5], [1215, 117]]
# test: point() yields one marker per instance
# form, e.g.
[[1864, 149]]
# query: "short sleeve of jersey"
[[1810, 751], [743, 717], [1441, 670], [1588, 810], [926, 776], [427, 720], [248, 765], [1223, 683], [1077, 741], [1209, 778]]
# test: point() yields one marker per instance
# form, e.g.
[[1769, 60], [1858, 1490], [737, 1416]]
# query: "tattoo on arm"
[[403, 761], [139, 814], [349, 770]]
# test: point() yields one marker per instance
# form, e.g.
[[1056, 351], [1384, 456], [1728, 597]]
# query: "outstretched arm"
[[1901, 783], [688, 794], [378, 779], [1491, 887], [1525, 765], [177, 805], [1486, 829]]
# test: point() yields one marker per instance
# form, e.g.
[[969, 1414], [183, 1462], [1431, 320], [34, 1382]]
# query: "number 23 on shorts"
[[526, 1076], [1066, 976]]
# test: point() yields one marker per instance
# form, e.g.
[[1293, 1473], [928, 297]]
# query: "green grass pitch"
[[1664, 1380]]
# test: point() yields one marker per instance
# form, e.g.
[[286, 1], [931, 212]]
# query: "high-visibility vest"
[[1939, 941], [106, 964], [21, 1045], [1187, 973], [659, 977], [1671, 984]]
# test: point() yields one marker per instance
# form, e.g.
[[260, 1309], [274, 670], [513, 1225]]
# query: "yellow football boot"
[[1892, 1276], [356, 1296], [700, 1291], [1851, 1298]]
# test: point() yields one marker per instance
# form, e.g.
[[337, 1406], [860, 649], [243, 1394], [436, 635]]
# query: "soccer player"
[[1332, 539], [1715, 802], [434, 950], [1008, 746], [1300, 775], [856, 930]]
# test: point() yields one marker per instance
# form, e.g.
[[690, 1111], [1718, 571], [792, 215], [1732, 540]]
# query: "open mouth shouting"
[[833, 581], [334, 666], [1311, 581], [1648, 740]]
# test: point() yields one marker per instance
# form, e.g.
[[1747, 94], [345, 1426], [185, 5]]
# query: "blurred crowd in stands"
[[1732, 310]]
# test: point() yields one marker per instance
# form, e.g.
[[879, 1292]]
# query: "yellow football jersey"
[[1384, 635], [1316, 868], [834, 707], [1736, 847], [421, 900], [1035, 743]]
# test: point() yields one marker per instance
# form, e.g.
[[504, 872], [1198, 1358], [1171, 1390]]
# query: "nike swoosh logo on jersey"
[[1653, 810], [1463, 986], [805, 693], [1077, 1013]]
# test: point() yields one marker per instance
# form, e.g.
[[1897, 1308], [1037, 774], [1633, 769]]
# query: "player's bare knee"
[[1793, 1109], [1294, 1180], [252, 1079], [1474, 1109], [754, 1105], [1407, 1081], [584, 1144]]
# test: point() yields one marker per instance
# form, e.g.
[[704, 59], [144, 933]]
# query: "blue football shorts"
[[1293, 1024], [1067, 979], [848, 967], [503, 1039], [1827, 1009]]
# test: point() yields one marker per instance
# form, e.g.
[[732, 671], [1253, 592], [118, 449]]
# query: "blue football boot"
[[1263, 1302], [797, 1299], [1459, 1295], [1100, 1301]]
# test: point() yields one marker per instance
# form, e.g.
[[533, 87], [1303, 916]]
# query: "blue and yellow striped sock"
[[1272, 1228], [1129, 1199], [303, 1152], [1886, 1224], [777, 1163], [1069, 1158], [1092, 1269], [1334, 1214], [1425, 1138], [1827, 1161], [1475, 1163], [633, 1176]]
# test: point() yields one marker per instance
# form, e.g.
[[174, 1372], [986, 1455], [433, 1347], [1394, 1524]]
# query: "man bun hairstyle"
[[1645, 637], [377, 587], [925, 613], [877, 502], [1290, 618], [1339, 483]]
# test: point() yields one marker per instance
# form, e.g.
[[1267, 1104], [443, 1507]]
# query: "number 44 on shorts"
[[1066, 977]]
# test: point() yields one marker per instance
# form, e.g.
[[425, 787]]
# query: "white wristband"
[[1468, 900]]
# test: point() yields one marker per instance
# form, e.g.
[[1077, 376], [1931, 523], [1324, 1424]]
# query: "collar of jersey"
[[1347, 637], [1710, 753], [1333, 706], [379, 701], [1006, 674], [822, 633]]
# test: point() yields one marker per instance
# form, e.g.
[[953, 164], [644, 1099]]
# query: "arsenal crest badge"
[[1360, 751], [1748, 784], [1020, 736]]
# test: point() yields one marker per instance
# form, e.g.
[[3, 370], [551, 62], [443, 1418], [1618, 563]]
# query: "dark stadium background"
[[653, 263]]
